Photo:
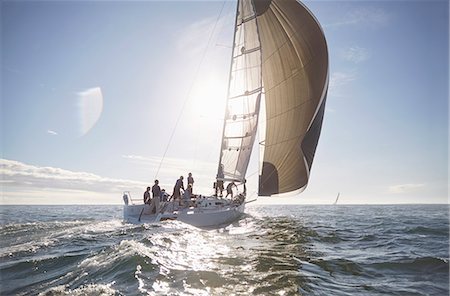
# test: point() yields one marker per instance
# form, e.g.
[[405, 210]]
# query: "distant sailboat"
[[337, 198], [279, 59]]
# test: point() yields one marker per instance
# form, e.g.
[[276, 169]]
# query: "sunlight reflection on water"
[[302, 250]]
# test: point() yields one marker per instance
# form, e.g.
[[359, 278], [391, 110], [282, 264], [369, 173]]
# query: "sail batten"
[[248, 92]]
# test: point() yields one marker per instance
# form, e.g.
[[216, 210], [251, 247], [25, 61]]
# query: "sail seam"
[[289, 110], [289, 39], [286, 140]]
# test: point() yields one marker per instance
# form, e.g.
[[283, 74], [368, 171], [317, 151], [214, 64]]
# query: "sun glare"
[[208, 98]]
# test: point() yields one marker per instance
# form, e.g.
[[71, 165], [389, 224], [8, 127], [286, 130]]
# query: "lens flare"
[[90, 106]]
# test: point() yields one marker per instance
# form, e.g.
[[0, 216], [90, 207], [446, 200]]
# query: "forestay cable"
[[190, 89]]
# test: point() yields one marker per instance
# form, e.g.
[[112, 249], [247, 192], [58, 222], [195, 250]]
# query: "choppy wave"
[[297, 250]]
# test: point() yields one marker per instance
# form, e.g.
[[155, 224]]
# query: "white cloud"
[[23, 183], [53, 133], [341, 78], [355, 54], [363, 17], [405, 188], [19, 178], [339, 81]]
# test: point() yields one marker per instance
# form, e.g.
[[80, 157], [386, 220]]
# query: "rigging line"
[[252, 174], [190, 89]]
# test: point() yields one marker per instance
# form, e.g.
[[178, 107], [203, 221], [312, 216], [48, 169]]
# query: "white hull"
[[212, 213], [141, 214], [213, 217]]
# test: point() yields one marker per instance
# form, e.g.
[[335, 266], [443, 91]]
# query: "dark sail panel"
[[309, 143], [268, 180]]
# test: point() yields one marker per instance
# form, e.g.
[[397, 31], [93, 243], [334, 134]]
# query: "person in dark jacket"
[[147, 197], [230, 189], [156, 190], [176, 189]]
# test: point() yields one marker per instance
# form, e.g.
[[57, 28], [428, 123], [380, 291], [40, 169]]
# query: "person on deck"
[[219, 181], [219, 187], [156, 191], [147, 197], [230, 189], [187, 197], [176, 189], [190, 181], [245, 187], [164, 195]]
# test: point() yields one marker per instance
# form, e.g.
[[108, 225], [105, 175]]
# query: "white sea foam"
[[125, 249], [87, 290]]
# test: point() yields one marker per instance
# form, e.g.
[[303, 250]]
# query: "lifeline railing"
[[127, 199]]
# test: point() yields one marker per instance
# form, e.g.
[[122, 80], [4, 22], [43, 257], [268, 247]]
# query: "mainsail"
[[244, 96], [278, 44]]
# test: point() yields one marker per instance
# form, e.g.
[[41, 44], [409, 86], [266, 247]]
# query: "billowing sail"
[[295, 77], [278, 44], [244, 96]]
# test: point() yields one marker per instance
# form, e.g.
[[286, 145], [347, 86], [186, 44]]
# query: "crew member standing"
[[190, 181], [147, 197], [156, 191], [176, 189], [219, 180]]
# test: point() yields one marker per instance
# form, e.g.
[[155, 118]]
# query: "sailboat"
[[337, 198], [278, 83]]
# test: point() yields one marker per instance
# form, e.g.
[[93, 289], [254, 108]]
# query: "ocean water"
[[272, 250]]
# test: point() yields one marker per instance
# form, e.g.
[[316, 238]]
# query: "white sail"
[[337, 198], [244, 96]]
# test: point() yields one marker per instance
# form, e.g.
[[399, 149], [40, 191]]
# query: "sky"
[[95, 93]]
